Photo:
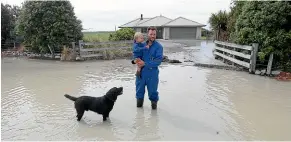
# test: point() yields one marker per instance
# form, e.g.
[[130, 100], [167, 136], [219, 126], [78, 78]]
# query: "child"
[[138, 47]]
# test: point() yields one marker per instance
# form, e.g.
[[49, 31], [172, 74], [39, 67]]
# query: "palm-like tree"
[[218, 23]]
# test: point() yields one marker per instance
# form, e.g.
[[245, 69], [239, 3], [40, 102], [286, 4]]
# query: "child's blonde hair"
[[137, 34]]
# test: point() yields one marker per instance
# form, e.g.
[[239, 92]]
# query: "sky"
[[104, 15]]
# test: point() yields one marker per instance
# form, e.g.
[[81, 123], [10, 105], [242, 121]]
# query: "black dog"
[[101, 105]]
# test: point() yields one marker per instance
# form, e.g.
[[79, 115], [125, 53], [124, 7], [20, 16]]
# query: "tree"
[[206, 33], [218, 23], [9, 14], [267, 23], [5, 22], [236, 10], [122, 34], [45, 24]]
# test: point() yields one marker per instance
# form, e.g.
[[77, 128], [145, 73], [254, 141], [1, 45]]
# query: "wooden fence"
[[242, 55], [92, 49]]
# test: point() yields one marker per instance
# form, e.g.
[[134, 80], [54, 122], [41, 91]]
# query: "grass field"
[[96, 36], [99, 37], [107, 54]]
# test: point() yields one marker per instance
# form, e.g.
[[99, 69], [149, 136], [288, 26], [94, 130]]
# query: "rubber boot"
[[139, 102], [154, 105]]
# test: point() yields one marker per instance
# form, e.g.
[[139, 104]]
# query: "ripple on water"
[[196, 104], [16, 104]]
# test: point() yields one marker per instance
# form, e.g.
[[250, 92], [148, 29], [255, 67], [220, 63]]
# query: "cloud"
[[103, 15]]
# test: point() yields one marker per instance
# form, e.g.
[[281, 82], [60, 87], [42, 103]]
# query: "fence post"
[[80, 46], [52, 51], [74, 46], [233, 56], [223, 60], [253, 59], [269, 68]]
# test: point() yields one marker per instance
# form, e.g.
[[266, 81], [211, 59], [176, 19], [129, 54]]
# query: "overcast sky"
[[103, 15]]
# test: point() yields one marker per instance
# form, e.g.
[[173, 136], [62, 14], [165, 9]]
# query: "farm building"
[[179, 28]]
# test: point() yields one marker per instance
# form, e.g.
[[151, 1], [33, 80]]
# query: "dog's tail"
[[70, 97]]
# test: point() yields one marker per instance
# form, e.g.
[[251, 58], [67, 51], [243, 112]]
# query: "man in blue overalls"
[[151, 59]]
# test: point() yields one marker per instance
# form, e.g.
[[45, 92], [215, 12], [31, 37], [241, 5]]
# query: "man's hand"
[[140, 64], [149, 43], [137, 60]]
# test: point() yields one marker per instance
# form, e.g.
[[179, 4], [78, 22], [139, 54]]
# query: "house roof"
[[181, 21], [163, 21], [155, 21], [134, 23]]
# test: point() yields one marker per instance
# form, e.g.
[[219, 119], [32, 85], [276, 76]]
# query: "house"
[[179, 28]]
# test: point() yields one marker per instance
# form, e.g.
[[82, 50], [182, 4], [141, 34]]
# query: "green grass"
[[203, 38], [107, 54], [100, 37], [96, 36]]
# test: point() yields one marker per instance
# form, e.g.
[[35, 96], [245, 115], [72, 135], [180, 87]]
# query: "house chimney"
[[141, 18]]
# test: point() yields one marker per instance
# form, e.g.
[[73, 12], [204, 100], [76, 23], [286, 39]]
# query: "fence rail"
[[81, 50], [237, 54], [107, 42], [101, 46]]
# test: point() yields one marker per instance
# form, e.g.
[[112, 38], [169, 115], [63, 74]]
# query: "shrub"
[[256, 24], [48, 23], [122, 34]]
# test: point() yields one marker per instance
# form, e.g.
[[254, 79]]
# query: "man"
[[151, 59]]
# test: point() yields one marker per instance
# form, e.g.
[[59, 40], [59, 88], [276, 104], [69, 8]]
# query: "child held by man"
[[138, 46]]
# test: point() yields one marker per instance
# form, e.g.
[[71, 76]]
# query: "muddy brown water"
[[195, 103]]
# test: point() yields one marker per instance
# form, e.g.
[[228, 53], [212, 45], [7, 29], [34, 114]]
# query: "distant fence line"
[[93, 47], [243, 55], [83, 49]]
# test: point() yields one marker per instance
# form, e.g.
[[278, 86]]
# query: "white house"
[[179, 28]]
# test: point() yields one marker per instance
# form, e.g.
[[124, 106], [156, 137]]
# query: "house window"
[[143, 30]]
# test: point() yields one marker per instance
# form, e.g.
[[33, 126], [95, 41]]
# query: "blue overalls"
[[150, 71]]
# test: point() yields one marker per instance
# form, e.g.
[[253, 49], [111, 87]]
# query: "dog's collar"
[[110, 99]]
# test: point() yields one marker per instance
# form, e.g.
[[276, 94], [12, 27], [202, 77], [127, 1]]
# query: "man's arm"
[[157, 59]]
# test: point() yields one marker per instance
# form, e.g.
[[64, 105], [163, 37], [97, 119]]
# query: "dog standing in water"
[[101, 105]]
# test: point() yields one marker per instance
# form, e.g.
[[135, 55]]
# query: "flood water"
[[195, 103]]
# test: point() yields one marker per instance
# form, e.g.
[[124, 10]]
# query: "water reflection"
[[146, 126], [94, 129]]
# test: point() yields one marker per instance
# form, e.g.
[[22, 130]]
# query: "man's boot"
[[139, 102], [154, 105]]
